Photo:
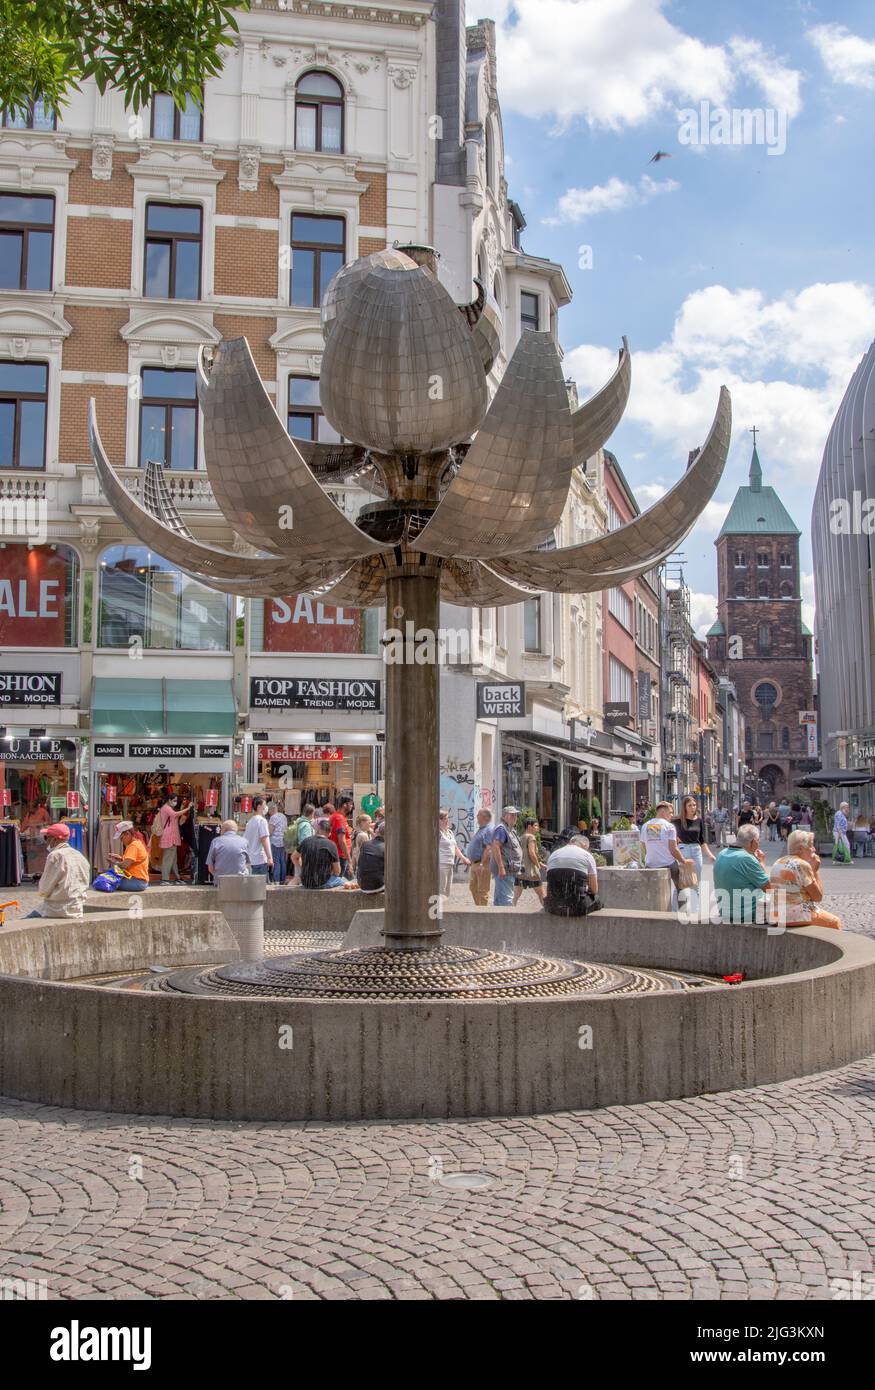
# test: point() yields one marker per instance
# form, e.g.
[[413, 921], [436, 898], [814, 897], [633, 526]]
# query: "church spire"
[[756, 472]]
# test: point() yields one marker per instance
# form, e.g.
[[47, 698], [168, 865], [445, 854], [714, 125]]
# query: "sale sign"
[[35, 587], [72, 801], [5, 797], [303, 624], [246, 804], [212, 798], [110, 792]]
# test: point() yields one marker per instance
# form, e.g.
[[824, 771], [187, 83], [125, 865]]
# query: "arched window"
[[786, 589], [741, 589], [763, 588], [319, 113], [143, 596], [766, 696], [785, 738]]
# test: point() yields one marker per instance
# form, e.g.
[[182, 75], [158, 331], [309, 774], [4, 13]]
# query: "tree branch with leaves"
[[48, 47]]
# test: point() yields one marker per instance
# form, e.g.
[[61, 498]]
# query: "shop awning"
[[200, 707], [135, 706], [617, 771], [127, 705]]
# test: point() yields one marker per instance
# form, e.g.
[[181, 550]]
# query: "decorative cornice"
[[357, 14]]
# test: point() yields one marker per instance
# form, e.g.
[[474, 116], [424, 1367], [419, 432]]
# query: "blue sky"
[[723, 263]]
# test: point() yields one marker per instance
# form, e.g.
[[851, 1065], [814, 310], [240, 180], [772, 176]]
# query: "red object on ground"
[[733, 979]]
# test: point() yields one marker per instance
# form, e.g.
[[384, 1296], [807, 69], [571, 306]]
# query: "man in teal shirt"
[[740, 878]]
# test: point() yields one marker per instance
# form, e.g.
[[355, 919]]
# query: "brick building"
[[759, 640]]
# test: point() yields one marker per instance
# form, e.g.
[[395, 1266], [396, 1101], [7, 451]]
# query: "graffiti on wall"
[[461, 796]]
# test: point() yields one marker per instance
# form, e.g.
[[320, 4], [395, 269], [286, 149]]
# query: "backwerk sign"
[[501, 700], [307, 692]]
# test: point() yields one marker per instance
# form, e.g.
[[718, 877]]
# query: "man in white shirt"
[[257, 837], [660, 840], [65, 878], [572, 880]]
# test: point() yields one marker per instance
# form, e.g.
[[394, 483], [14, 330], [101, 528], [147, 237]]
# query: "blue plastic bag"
[[109, 881]]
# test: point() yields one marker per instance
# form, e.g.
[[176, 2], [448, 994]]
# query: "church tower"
[[759, 640]]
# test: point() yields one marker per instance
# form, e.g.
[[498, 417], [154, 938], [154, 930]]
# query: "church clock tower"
[[759, 640]]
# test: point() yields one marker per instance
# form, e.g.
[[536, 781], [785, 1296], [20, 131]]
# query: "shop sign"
[[212, 798], [161, 751], [72, 801], [16, 750], [501, 700], [33, 585], [808, 716], [617, 712], [302, 624], [300, 753], [30, 687], [305, 692], [109, 750], [215, 750]]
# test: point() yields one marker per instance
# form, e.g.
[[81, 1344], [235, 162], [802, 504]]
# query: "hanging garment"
[[205, 836], [11, 865]]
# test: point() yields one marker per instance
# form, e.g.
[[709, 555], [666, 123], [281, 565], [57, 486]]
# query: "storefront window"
[[143, 597], [35, 776], [38, 596], [302, 624], [297, 775]]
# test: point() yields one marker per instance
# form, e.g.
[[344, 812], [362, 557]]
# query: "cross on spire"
[[754, 431], [756, 472]]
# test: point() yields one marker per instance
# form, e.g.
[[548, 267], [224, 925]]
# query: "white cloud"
[[787, 363], [778, 83], [703, 612], [619, 63], [849, 59], [579, 203], [648, 493]]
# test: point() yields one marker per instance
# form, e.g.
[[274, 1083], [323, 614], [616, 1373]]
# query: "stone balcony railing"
[[20, 485]]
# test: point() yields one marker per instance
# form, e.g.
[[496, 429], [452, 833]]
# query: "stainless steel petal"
[[595, 422], [638, 546], [221, 569], [258, 476], [511, 489]]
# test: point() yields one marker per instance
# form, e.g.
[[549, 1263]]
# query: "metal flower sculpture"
[[469, 493]]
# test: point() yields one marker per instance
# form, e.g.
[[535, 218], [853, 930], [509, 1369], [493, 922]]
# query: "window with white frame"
[[619, 681], [620, 606], [532, 625], [615, 521]]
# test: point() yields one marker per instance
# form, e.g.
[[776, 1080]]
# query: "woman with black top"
[[691, 834]]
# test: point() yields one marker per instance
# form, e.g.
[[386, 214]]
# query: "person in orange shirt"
[[134, 860]]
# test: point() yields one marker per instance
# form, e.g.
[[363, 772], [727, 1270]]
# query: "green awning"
[[137, 707], [127, 705], [203, 708]]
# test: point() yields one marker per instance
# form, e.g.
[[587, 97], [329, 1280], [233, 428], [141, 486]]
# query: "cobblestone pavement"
[[761, 1194]]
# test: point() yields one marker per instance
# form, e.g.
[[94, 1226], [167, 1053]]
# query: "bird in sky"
[[660, 154]]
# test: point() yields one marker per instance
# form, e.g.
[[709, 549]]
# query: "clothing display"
[[103, 844], [206, 834], [11, 860]]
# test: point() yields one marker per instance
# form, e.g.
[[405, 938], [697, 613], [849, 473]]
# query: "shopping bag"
[[687, 876], [109, 881]]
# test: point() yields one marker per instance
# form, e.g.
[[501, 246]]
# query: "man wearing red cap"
[[65, 878]]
